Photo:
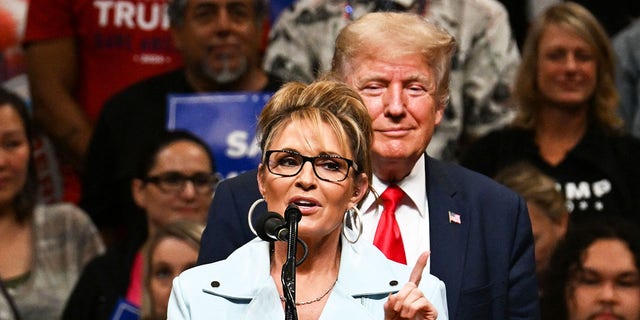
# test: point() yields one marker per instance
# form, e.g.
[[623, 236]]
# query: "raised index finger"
[[416, 273]]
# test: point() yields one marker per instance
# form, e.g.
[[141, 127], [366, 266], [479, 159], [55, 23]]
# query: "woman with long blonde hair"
[[567, 124]]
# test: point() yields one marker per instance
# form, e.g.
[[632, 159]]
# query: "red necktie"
[[388, 238]]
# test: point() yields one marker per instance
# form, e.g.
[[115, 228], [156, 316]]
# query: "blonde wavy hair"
[[574, 18]]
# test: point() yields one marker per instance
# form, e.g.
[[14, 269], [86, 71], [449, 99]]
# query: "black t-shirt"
[[601, 174]]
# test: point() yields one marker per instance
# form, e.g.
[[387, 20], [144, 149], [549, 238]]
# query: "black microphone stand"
[[288, 277]]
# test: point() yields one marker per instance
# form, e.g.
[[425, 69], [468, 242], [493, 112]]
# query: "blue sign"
[[226, 122], [125, 310]]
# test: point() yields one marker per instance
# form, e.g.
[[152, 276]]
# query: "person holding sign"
[[315, 144], [220, 44]]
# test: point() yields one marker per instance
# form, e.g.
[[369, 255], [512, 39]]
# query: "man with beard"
[[594, 273], [219, 41]]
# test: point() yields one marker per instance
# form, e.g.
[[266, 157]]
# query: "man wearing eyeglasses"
[[478, 232]]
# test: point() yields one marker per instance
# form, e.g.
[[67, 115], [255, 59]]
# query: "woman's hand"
[[410, 302]]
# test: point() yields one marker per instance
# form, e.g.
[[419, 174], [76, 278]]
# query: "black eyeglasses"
[[287, 163], [174, 182]]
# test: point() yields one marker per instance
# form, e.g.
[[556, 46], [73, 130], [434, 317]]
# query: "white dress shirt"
[[412, 213]]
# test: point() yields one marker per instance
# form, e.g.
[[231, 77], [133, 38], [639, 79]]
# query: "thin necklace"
[[316, 299]]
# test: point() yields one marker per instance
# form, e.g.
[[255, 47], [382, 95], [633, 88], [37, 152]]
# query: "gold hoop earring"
[[350, 220], [250, 214]]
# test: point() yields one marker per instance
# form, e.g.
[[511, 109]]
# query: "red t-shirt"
[[120, 42], [134, 290]]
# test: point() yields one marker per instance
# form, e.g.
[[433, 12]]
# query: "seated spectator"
[[626, 45], [172, 250], [595, 273], [43, 248], [326, 124], [174, 180], [219, 43], [546, 205], [301, 46], [567, 125]]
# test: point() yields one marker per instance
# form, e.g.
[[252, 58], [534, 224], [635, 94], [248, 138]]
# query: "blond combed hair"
[[393, 35]]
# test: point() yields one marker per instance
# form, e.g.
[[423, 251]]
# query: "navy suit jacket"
[[486, 261]]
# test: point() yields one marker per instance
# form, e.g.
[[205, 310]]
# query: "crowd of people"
[[463, 164]]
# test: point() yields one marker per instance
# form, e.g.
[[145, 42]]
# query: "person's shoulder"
[[201, 272], [468, 181], [160, 81], [106, 270], [114, 264], [236, 264], [154, 87], [499, 139], [483, 198], [458, 173], [61, 214], [240, 181], [505, 133]]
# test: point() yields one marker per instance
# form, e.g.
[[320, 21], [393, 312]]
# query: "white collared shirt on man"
[[412, 214]]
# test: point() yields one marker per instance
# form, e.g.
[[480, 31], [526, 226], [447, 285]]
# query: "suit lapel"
[[448, 239]]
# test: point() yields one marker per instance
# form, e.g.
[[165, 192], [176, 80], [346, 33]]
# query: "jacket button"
[[215, 284], [393, 283]]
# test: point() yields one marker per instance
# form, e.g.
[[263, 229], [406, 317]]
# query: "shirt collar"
[[414, 186]]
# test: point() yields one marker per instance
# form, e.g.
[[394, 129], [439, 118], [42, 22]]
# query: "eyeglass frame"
[[157, 181], [305, 159]]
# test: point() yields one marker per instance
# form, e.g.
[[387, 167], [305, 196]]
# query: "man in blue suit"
[[478, 231]]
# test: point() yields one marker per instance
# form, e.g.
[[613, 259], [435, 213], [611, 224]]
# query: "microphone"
[[292, 212], [272, 227]]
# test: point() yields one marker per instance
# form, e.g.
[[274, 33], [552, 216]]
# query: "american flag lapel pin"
[[454, 218]]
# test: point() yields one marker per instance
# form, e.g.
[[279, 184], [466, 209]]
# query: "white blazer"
[[241, 286]]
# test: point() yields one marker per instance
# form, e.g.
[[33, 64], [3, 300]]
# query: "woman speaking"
[[315, 144]]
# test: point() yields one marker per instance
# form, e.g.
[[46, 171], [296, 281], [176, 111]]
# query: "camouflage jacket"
[[301, 46]]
